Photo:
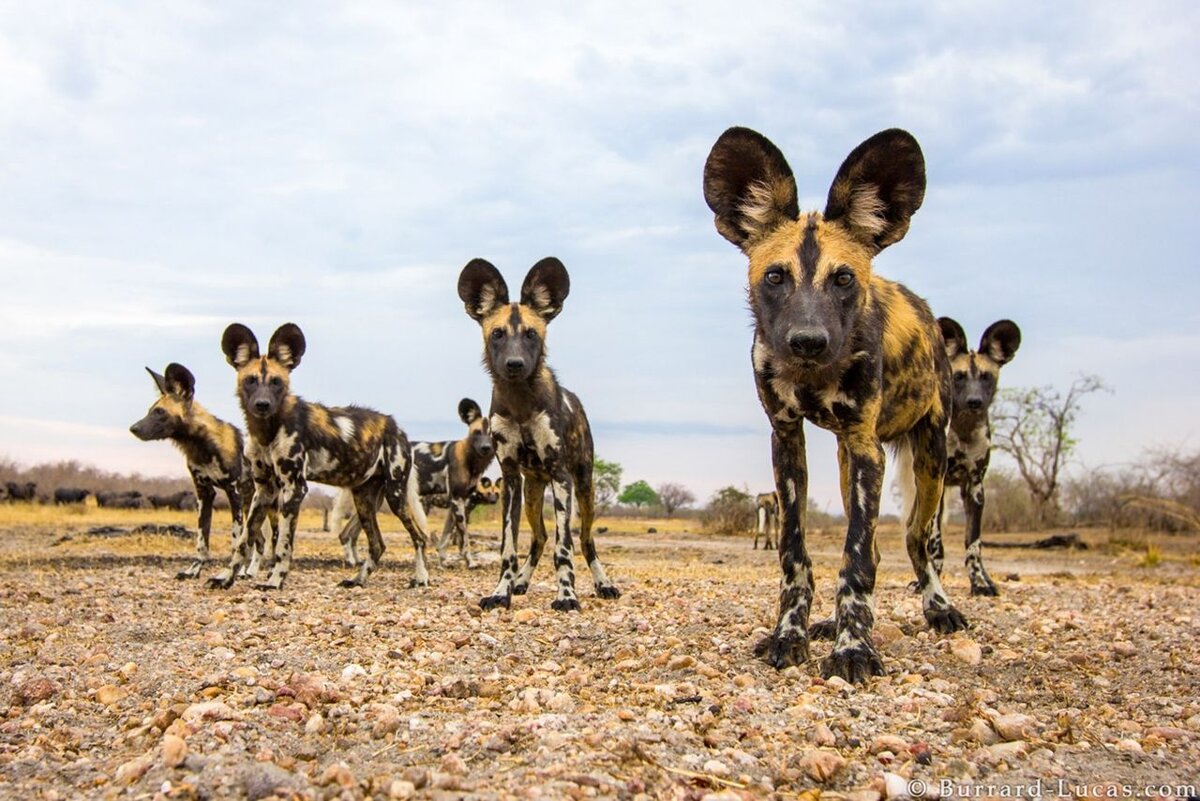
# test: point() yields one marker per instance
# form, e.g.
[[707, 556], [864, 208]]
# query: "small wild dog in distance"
[[450, 470], [292, 441], [975, 374], [849, 351], [541, 432], [213, 451], [767, 515]]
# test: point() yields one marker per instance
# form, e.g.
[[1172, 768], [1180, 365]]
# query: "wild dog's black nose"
[[262, 406], [485, 448], [515, 365], [808, 342], [974, 403]]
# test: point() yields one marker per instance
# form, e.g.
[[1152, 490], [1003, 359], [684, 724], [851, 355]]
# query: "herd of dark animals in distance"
[[834, 344]]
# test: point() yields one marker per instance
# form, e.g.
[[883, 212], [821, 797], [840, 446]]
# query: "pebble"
[[821, 766], [888, 742], [35, 690], [265, 779], [174, 750], [401, 789], [1133, 746], [337, 773], [820, 734], [351, 672], [1014, 726], [1168, 732], [315, 724], [681, 662], [894, 785], [716, 767], [129, 772], [209, 710], [524, 615], [966, 650], [110, 694], [1008, 750]]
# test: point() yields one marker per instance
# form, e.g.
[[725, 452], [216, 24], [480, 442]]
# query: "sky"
[[167, 168]]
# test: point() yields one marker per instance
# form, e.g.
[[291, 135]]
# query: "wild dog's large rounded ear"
[[953, 335], [878, 188], [749, 186], [482, 289], [546, 287], [287, 345], [239, 345], [180, 381], [1000, 341], [159, 382], [469, 411]]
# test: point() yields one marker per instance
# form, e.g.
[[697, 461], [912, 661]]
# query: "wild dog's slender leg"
[[972, 500], [366, 501], [348, 537], [564, 552], [854, 657], [204, 495], [267, 541], [586, 498], [402, 491], [509, 526], [936, 548], [927, 441], [262, 504], [295, 487], [458, 513], [826, 628], [788, 643], [535, 495], [447, 538]]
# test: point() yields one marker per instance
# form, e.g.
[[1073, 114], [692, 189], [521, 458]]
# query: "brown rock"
[[35, 690], [966, 650], [129, 772], [821, 766], [174, 750], [110, 694]]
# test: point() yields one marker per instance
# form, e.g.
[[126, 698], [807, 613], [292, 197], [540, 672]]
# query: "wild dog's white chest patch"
[[285, 446], [346, 427], [540, 435], [212, 471]]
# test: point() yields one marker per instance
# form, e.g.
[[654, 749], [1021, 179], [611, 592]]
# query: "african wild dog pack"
[[834, 344]]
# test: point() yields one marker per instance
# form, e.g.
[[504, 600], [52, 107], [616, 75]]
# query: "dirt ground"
[[1082, 679]]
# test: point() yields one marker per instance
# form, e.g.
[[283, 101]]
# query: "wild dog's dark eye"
[[774, 276], [986, 377], [960, 376], [530, 333], [276, 381], [498, 333], [160, 412], [252, 381], [844, 278]]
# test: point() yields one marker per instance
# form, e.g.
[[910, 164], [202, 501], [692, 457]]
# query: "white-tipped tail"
[[414, 501], [906, 482]]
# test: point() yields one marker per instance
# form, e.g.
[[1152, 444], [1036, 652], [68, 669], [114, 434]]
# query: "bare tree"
[[674, 496], [1033, 426]]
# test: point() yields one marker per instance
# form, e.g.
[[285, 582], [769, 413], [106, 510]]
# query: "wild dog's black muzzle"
[[808, 343]]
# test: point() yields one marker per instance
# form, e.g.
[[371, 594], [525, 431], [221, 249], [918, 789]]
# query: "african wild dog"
[[486, 492], [541, 432], [766, 510], [975, 375], [852, 353], [214, 455], [292, 441], [450, 469]]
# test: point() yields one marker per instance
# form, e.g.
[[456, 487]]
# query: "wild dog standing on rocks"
[[292, 441], [541, 433], [766, 509], [975, 375], [214, 454], [447, 469], [849, 351]]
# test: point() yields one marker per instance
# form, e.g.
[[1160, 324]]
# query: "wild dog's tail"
[[762, 519], [413, 493], [906, 481]]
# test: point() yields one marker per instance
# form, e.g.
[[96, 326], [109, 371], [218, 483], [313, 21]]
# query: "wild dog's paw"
[[988, 589], [221, 581], [351, 582], [273, 582], [191, 571], [914, 586], [823, 629], [945, 620], [855, 665], [520, 588], [414, 583], [780, 651], [565, 605], [607, 591], [495, 602]]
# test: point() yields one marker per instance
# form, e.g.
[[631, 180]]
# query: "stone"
[[174, 750], [966, 650], [821, 765]]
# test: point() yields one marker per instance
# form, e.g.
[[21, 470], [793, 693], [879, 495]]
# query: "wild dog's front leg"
[[458, 513], [534, 493], [510, 523], [972, 499], [348, 537], [564, 567], [204, 496], [788, 643], [291, 497], [263, 501], [927, 443], [366, 501], [854, 657]]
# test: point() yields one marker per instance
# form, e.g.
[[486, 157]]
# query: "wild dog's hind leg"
[[457, 514], [348, 537], [788, 643], [826, 628], [586, 498], [262, 503], [402, 491], [561, 487], [972, 500], [510, 502], [205, 493], [854, 657], [925, 450], [535, 496], [295, 487], [366, 501]]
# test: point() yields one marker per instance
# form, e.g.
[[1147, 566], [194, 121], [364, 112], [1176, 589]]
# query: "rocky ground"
[[1082, 679]]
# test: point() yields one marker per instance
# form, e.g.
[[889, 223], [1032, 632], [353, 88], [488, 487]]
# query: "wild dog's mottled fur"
[[766, 510], [541, 432], [847, 350], [292, 441], [450, 469], [975, 375], [214, 454]]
